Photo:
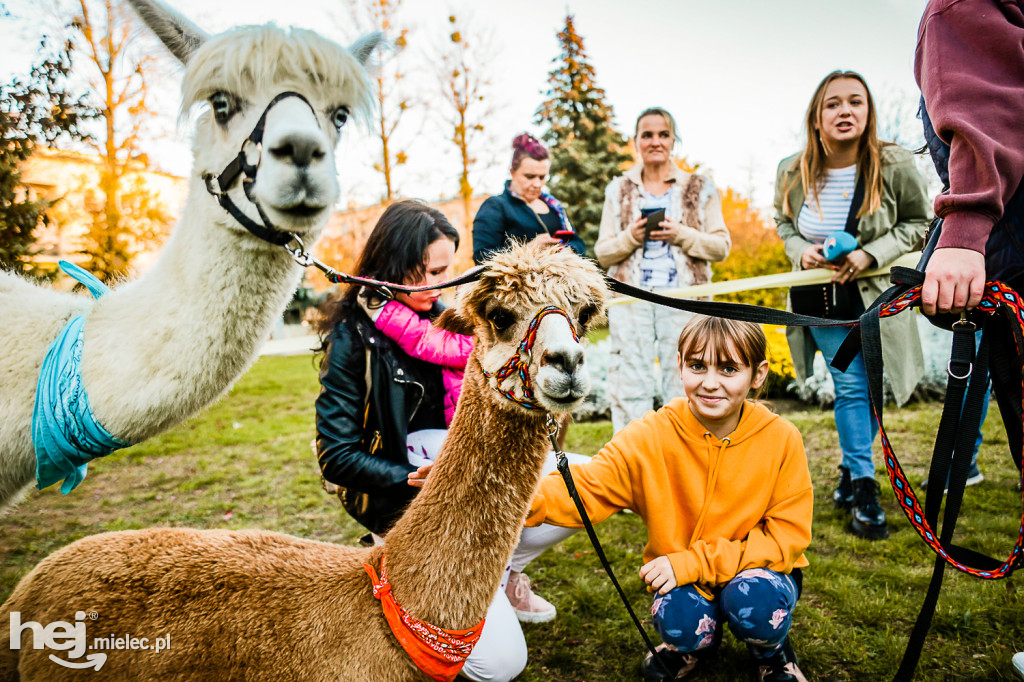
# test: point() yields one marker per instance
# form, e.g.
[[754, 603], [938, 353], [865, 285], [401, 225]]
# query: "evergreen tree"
[[34, 111], [587, 151]]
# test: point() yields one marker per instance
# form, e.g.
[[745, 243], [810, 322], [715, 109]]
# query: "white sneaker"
[[1018, 664], [529, 607]]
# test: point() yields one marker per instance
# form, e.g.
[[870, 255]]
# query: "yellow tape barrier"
[[785, 279]]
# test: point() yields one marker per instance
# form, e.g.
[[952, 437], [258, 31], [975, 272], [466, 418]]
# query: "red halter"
[[516, 363]]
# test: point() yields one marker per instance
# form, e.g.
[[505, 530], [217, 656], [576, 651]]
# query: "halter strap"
[[516, 363], [218, 185]]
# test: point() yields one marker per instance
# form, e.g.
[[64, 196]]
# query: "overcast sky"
[[737, 75]]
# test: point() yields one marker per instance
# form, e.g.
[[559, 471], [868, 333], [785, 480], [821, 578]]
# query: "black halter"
[[218, 185]]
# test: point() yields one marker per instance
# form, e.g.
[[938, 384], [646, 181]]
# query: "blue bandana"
[[65, 434]]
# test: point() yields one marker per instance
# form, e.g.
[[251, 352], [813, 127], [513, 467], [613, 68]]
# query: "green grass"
[[247, 463]]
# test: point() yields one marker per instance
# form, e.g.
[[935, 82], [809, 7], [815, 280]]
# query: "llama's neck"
[[447, 553], [162, 347]]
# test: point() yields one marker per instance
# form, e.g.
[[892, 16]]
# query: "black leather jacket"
[[361, 433]]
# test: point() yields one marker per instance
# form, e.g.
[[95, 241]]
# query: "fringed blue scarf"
[[65, 434]]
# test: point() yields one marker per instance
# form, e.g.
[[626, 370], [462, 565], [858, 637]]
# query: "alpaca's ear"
[[177, 33], [364, 47], [450, 320]]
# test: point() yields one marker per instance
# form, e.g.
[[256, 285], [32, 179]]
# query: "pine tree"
[[36, 111], [587, 151]]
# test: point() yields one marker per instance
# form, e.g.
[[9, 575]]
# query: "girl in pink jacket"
[[423, 341]]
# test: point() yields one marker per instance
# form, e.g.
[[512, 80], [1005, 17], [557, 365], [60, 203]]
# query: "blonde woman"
[[675, 252], [815, 193]]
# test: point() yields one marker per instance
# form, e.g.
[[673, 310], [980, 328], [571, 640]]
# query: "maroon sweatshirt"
[[970, 67]]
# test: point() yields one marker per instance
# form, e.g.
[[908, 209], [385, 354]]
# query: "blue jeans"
[[854, 420], [757, 603]]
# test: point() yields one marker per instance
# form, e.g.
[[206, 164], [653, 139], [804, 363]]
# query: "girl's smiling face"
[[716, 385]]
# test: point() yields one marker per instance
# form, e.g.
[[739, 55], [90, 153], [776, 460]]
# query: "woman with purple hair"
[[524, 211]]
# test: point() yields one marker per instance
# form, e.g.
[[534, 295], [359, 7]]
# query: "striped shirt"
[[835, 197]]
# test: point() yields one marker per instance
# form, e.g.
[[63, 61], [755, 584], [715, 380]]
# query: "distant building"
[[72, 179]]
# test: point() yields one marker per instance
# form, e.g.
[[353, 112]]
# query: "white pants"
[[641, 333], [500, 653]]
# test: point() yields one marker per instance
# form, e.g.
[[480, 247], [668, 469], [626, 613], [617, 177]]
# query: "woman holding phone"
[[845, 179], [524, 211], [661, 228]]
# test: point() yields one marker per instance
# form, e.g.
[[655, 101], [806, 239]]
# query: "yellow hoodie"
[[714, 507]]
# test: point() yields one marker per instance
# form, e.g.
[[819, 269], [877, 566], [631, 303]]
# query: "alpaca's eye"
[[224, 106], [340, 117], [501, 319], [587, 314]]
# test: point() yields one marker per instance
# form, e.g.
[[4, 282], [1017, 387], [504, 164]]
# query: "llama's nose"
[[567, 359], [298, 149]]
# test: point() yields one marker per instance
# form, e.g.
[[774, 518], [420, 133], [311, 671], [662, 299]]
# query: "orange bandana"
[[438, 652]]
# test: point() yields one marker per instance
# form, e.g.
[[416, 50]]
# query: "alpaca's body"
[[159, 349], [263, 606]]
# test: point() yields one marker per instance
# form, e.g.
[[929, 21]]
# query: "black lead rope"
[[570, 486]]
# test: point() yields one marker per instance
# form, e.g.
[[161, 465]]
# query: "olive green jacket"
[[896, 228]]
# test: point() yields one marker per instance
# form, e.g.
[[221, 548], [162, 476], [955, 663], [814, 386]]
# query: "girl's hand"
[[668, 230], [419, 477], [658, 575], [545, 238], [856, 262], [638, 229], [812, 258]]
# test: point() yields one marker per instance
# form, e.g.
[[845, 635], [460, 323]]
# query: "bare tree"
[[466, 93], [394, 98]]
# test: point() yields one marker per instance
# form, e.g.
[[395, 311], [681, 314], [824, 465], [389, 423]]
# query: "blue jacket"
[[506, 217]]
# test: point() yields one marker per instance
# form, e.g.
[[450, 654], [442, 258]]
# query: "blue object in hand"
[[837, 245]]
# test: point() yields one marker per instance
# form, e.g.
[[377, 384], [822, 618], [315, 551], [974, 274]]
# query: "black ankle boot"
[[842, 496], [868, 517]]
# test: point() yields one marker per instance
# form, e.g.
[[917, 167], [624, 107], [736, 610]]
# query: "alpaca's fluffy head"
[[236, 75], [517, 285]]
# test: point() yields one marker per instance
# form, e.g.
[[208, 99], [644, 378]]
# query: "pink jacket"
[[423, 341]]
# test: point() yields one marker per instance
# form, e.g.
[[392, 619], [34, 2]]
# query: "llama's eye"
[[501, 319], [224, 106], [587, 314], [340, 117]]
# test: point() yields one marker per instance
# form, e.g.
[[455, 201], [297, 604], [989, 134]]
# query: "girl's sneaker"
[[529, 607], [671, 664], [781, 666]]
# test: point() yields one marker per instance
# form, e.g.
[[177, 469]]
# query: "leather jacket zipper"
[[418, 385]]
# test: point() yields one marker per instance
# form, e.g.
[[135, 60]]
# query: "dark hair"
[[525, 145], [395, 251]]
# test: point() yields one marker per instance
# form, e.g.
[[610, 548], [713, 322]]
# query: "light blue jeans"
[[854, 420]]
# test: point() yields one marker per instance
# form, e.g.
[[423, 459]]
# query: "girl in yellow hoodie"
[[723, 487]]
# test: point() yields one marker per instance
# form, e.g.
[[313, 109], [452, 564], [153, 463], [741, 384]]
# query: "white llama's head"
[[534, 285], [239, 74]]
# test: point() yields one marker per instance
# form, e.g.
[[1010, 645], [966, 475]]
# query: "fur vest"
[[693, 201]]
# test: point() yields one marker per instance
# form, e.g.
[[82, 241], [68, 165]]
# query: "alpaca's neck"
[[162, 347], [447, 553]]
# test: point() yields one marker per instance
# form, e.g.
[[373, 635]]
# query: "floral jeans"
[[758, 605]]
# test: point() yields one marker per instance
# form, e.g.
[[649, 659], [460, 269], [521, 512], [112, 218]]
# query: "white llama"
[[159, 349]]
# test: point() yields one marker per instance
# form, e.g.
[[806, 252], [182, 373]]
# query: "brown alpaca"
[[255, 605]]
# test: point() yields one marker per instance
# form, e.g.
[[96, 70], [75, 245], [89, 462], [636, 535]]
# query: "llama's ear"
[[177, 33], [364, 47], [450, 320]]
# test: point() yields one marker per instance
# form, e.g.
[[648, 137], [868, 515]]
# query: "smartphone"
[[564, 235], [654, 216]]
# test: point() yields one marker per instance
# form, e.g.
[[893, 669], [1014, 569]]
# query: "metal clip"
[[964, 321], [299, 253]]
